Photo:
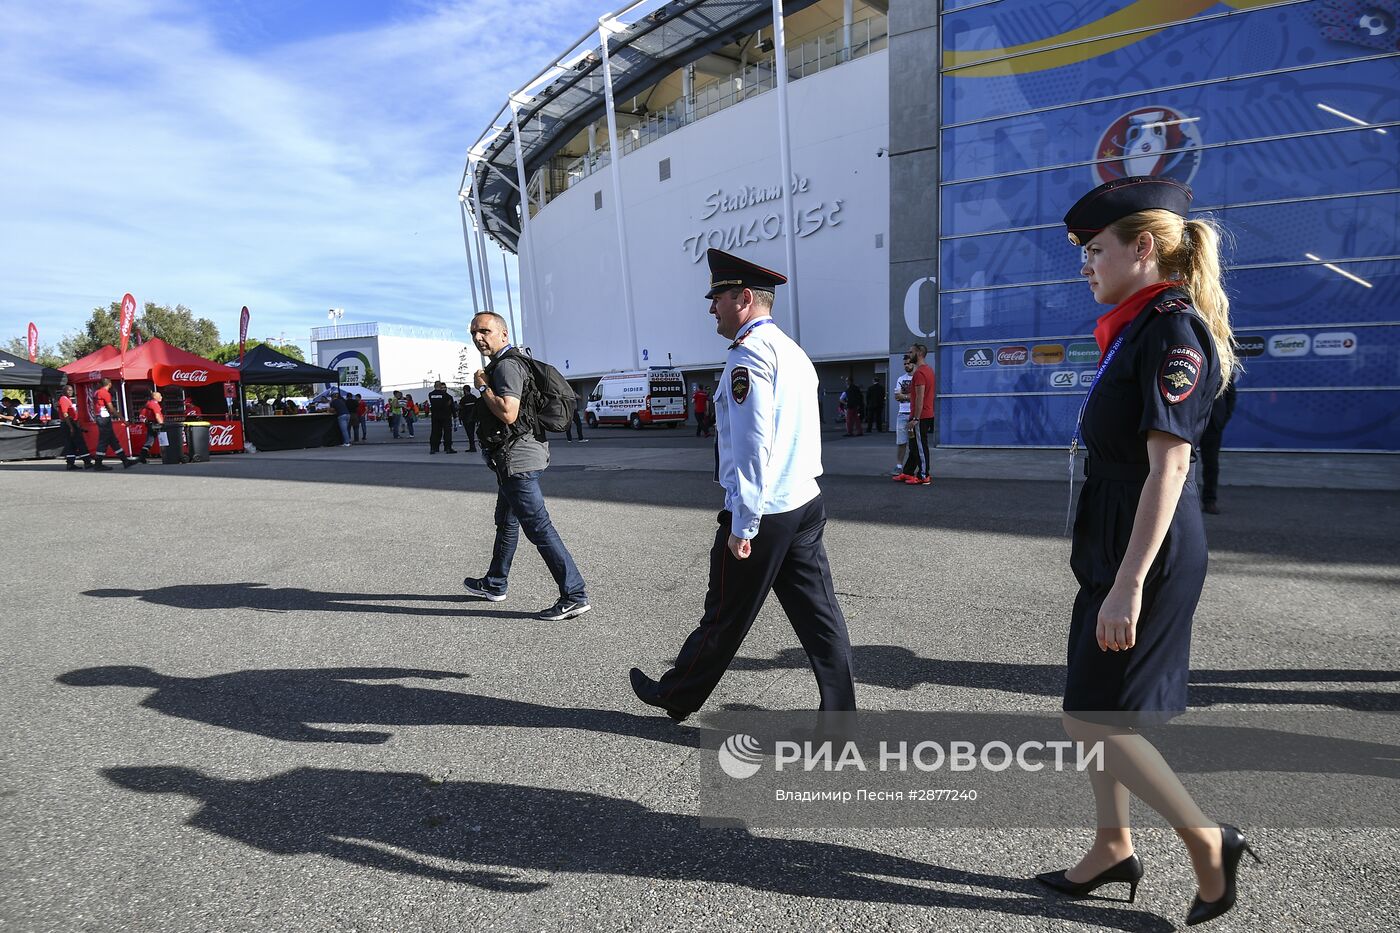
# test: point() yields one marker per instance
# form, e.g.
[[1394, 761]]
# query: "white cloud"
[[141, 154]]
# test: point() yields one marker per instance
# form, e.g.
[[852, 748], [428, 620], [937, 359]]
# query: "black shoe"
[[477, 587], [100, 466], [1233, 846], [449, 451], [141, 458], [1129, 870], [646, 689], [73, 466], [564, 608], [432, 451], [128, 462], [1210, 508]]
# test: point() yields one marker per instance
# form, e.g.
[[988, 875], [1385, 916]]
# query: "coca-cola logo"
[[220, 435], [1013, 356], [190, 375]]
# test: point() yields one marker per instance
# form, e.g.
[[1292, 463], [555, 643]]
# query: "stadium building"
[[925, 153], [390, 356]]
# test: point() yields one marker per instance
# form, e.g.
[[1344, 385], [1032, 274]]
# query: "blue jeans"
[[394, 425], [344, 427], [408, 422], [519, 502]]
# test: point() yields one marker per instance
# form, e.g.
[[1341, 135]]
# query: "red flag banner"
[[242, 333], [33, 343], [128, 318]]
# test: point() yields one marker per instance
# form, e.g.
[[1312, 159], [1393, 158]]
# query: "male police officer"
[[441, 408], [770, 532]]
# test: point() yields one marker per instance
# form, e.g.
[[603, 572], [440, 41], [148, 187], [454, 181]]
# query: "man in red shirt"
[[105, 413], [916, 467], [700, 401], [154, 419], [192, 410], [74, 444]]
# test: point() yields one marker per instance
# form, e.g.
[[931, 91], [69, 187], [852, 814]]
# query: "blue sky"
[[290, 155]]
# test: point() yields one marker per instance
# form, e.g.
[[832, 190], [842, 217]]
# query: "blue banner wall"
[[1284, 120]]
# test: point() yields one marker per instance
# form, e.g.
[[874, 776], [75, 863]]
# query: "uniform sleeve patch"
[[739, 384], [1172, 306], [1181, 371]]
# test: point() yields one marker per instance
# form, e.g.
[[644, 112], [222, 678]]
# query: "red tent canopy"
[[154, 361]]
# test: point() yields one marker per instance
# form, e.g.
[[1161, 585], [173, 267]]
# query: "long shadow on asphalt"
[[264, 598], [283, 704], [1309, 526], [496, 830], [898, 668]]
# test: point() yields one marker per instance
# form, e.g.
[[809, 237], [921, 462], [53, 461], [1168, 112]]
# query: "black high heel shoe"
[[1233, 846], [1129, 870]]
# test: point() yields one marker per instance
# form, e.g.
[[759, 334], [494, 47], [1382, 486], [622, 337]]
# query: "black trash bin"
[[197, 433], [172, 445]]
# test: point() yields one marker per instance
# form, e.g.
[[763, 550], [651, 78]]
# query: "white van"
[[638, 398]]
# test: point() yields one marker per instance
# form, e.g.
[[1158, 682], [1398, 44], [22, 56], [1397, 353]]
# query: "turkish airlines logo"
[[221, 435], [1013, 356], [1335, 343], [190, 375]]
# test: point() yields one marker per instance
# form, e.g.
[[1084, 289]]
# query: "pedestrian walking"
[[105, 412], [854, 400], [875, 406], [577, 423], [410, 413], [770, 531], [74, 444], [700, 402], [1139, 551], [918, 471], [443, 411], [518, 453], [901, 422], [1221, 411], [466, 410], [154, 419]]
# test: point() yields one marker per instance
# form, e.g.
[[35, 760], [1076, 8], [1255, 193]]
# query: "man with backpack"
[[519, 400]]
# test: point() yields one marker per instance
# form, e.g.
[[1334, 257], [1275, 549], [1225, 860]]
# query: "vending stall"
[[192, 388], [265, 366], [41, 437]]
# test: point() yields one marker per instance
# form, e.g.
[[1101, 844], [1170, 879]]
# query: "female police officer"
[[1139, 551]]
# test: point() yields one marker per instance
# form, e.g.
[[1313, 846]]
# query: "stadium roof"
[[565, 98]]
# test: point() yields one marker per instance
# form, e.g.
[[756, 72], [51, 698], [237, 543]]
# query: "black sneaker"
[[565, 608], [477, 587]]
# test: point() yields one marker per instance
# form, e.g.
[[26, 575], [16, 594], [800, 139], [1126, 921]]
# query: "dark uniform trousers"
[[441, 433], [74, 444], [107, 440], [788, 558]]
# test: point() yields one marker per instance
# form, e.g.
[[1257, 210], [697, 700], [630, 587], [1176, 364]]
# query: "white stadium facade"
[[925, 153]]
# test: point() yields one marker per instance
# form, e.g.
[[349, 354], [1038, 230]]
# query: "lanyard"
[[1079, 421]]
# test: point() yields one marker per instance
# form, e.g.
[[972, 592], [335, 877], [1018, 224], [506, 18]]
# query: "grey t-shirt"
[[508, 381]]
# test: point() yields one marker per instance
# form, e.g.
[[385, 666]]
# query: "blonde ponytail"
[[1188, 252]]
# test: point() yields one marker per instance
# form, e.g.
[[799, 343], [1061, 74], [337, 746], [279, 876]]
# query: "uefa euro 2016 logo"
[[1149, 141]]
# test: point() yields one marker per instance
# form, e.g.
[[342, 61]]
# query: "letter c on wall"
[[911, 305]]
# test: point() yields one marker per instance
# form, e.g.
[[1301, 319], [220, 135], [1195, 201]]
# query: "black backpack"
[[549, 402]]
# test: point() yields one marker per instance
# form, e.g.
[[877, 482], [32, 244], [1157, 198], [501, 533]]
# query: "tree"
[[48, 356], [468, 362], [177, 326], [371, 378]]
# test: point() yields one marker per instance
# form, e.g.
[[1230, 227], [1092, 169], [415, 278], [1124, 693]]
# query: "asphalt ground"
[[250, 695]]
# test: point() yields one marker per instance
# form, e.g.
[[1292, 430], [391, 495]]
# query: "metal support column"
[[848, 16], [536, 304], [486, 295], [510, 305], [604, 33], [785, 159], [467, 242]]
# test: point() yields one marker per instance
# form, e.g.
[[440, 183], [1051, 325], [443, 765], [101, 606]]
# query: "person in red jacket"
[[154, 419], [74, 444], [917, 468], [700, 402], [105, 413]]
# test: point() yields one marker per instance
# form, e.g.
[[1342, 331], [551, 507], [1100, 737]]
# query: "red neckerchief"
[[1111, 324]]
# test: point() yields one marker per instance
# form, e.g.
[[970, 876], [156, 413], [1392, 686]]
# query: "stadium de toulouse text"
[[932, 756]]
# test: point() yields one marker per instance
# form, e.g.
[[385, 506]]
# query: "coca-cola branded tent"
[[158, 364]]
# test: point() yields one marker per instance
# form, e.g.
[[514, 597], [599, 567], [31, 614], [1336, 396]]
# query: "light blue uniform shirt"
[[770, 446]]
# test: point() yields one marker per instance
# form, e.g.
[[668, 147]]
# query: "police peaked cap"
[[1116, 199], [727, 271]]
